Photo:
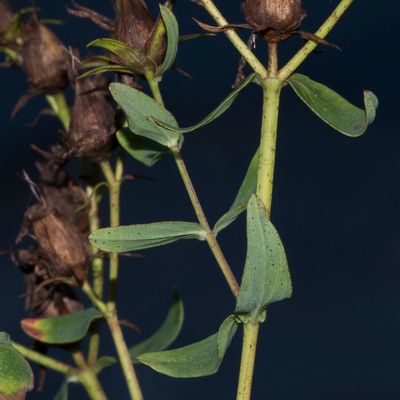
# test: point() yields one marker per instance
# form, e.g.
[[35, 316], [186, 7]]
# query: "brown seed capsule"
[[45, 60], [133, 23], [43, 300], [5, 17], [60, 245], [92, 127], [273, 19]]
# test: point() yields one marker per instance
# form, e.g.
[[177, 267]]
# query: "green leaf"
[[159, 341], [16, 377], [248, 187], [68, 328], [131, 57], [333, 108], [266, 277], [62, 394], [172, 28], [222, 107], [165, 335], [107, 68], [138, 237], [139, 108], [195, 360], [145, 150]]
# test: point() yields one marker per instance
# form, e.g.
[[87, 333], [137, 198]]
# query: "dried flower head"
[[43, 299], [92, 128], [45, 60], [275, 20], [61, 247], [133, 23]]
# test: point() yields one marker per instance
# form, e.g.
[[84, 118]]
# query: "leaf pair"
[[153, 130], [266, 280]]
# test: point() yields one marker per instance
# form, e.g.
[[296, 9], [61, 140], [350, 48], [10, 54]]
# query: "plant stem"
[[43, 360], [211, 238], [250, 336], [59, 105], [322, 32], [87, 377], [272, 89], [98, 279], [114, 181], [124, 357], [114, 184], [235, 39], [154, 87]]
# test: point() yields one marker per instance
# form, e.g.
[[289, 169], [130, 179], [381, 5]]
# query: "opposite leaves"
[[266, 277], [333, 108]]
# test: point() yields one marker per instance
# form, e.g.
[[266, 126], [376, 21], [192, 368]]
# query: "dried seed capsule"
[[92, 125], [133, 23], [60, 245], [273, 19], [49, 300], [5, 17], [45, 60]]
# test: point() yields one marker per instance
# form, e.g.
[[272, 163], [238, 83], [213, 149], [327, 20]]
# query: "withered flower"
[[43, 299], [92, 126], [275, 20], [59, 190], [60, 245], [45, 60]]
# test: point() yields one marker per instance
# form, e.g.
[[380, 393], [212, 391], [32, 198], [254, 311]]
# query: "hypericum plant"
[[66, 245]]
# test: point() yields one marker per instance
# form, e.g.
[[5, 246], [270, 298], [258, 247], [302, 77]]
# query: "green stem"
[[59, 105], [309, 47], [98, 276], [43, 360], [87, 377], [250, 336], [235, 39], [114, 180], [124, 357], [114, 183], [272, 89], [211, 238]]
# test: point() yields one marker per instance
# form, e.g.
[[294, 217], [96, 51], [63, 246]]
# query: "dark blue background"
[[336, 205]]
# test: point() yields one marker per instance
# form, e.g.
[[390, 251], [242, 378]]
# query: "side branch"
[[309, 47]]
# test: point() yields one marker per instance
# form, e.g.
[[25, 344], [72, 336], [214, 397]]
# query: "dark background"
[[336, 205]]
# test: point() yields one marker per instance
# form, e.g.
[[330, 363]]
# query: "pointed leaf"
[[139, 108], [195, 360], [266, 277], [107, 68], [62, 394], [104, 362], [247, 188], [68, 328], [137, 237], [145, 150], [333, 108], [16, 377], [222, 107], [130, 56], [167, 333], [172, 28]]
